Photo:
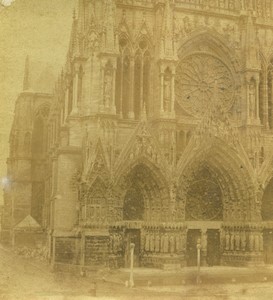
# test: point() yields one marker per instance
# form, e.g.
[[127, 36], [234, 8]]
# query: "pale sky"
[[40, 29]]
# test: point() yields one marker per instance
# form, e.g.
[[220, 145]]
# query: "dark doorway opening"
[[213, 247], [192, 237], [268, 246], [132, 236]]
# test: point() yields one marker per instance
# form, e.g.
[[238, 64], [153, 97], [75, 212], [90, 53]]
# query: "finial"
[[26, 84]]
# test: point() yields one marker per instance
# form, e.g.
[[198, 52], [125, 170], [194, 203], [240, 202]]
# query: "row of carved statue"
[[243, 241], [164, 243]]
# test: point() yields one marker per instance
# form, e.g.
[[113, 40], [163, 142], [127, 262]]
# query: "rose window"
[[204, 201], [203, 81]]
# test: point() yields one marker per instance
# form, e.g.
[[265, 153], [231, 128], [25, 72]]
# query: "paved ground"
[[24, 279]]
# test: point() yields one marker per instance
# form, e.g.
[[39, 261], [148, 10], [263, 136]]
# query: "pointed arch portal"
[[143, 199]]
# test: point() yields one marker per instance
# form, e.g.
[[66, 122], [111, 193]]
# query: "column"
[[131, 114], [161, 92], [120, 100], [247, 101], [173, 91], [112, 104], [102, 104], [265, 100], [141, 88], [66, 104], [257, 100], [75, 93], [271, 75]]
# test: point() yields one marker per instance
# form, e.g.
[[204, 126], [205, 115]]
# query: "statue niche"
[[108, 85], [252, 99], [167, 91]]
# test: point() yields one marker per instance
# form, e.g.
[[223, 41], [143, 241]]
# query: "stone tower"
[[158, 132]]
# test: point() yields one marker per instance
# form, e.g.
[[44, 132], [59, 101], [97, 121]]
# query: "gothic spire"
[[167, 45], [251, 44], [26, 84], [109, 25]]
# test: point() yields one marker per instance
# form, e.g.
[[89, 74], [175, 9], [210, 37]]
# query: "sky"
[[40, 29]]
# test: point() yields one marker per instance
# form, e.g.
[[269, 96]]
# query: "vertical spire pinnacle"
[[109, 25], [26, 84], [167, 31]]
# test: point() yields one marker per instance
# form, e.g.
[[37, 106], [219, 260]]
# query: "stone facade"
[[159, 132]]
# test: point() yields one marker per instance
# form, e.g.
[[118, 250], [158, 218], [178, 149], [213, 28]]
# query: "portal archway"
[[143, 197]]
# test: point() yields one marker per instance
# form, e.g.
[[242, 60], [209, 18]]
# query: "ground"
[[22, 278]]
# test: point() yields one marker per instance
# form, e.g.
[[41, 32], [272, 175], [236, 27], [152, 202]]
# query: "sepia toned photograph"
[[136, 149]]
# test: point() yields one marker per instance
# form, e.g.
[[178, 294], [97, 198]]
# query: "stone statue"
[[147, 243], [115, 243], [251, 241], [172, 244], [152, 242], [178, 243], [162, 243], [166, 243], [167, 93], [107, 88], [157, 243], [243, 240], [111, 243], [261, 241], [227, 241], [237, 241], [232, 241], [257, 242], [252, 100]]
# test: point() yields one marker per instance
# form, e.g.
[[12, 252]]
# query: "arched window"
[[126, 82], [37, 147], [137, 85], [142, 79], [118, 86], [133, 79], [146, 79]]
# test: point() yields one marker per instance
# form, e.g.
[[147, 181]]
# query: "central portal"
[[132, 236]]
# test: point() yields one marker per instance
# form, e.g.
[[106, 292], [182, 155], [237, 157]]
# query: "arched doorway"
[[203, 204], [267, 215], [143, 201]]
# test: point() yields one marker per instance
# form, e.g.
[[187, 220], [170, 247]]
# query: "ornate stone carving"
[[200, 80], [108, 87]]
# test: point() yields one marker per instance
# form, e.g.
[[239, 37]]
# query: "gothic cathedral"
[[159, 132]]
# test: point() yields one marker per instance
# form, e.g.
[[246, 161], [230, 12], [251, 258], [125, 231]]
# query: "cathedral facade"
[[159, 132]]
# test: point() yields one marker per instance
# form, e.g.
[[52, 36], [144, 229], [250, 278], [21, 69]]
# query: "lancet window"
[[133, 79]]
